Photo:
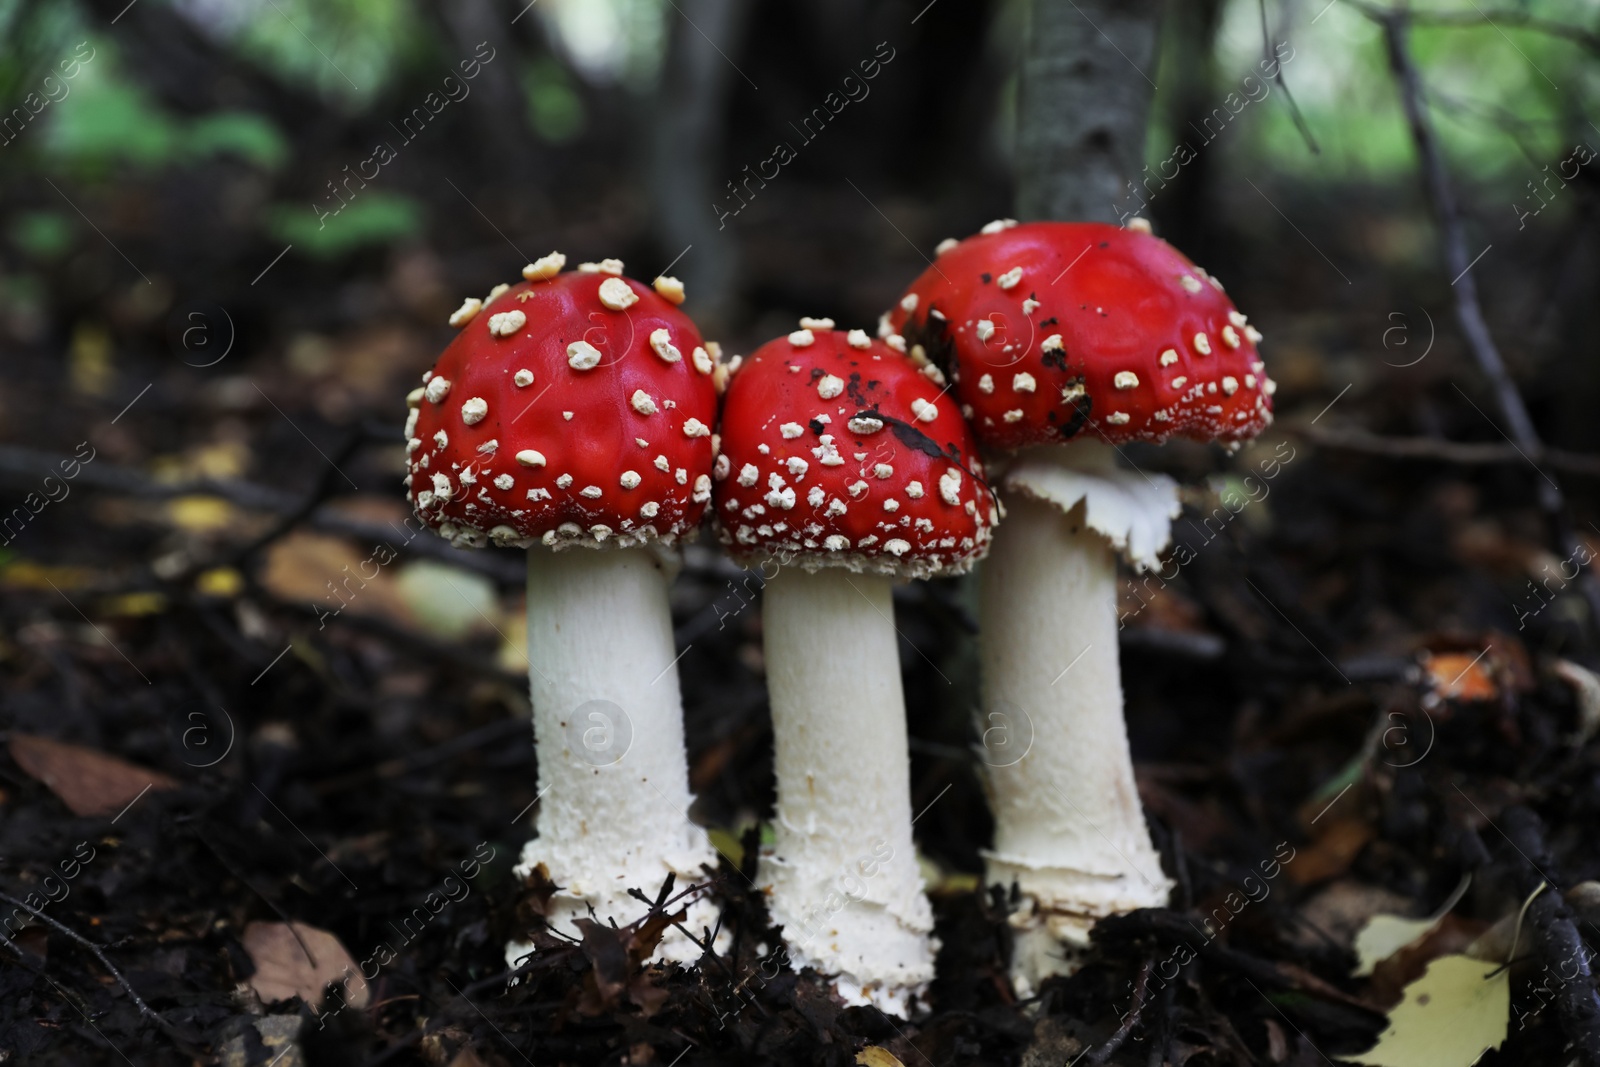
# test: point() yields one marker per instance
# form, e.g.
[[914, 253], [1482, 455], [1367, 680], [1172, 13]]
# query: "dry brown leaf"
[[1340, 909], [877, 1056], [332, 575], [87, 781], [1335, 848], [283, 969]]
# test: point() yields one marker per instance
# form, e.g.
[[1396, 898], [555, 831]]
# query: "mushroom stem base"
[[1069, 829], [608, 729], [842, 873]]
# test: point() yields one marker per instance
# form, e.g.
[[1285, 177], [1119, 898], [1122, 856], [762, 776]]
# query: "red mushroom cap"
[[1051, 327], [841, 451], [573, 409]]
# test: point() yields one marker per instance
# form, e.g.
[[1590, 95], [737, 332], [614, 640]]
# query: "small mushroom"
[[532, 442], [843, 488], [1110, 335]]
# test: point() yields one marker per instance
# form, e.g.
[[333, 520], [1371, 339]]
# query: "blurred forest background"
[[230, 235]]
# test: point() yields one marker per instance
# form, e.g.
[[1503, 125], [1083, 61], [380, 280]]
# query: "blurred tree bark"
[[1180, 211], [496, 104], [687, 143], [1083, 105]]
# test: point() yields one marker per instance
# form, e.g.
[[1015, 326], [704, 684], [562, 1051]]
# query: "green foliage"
[[347, 50], [1492, 90], [554, 106], [41, 234], [35, 37], [241, 133], [108, 121], [371, 218]]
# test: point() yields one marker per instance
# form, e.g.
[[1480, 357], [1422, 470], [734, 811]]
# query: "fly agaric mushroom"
[[843, 463], [1087, 335], [571, 417]]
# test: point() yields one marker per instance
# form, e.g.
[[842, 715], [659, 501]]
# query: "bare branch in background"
[[1503, 18], [1459, 263]]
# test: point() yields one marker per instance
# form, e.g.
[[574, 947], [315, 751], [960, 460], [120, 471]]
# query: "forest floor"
[[1365, 681]]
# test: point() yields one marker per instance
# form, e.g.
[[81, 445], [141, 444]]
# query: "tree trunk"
[[687, 154], [1088, 73]]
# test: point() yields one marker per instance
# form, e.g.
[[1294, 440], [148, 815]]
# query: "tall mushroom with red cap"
[[845, 465], [572, 417], [1066, 340]]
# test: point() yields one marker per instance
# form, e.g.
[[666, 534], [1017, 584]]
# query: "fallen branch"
[[186, 1042], [27, 466], [1556, 940], [1141, 986], [1433, 449]]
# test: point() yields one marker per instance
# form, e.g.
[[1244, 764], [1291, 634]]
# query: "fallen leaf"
[[1336, 847], [201, 514], [448, 602], [1458, 1010], [877, 1056], [1453, 936], [89, 359], [332, 575], [87, 781], [132, 605], [1384, 935], [219, 582], [1340, 909], [26, 574], [284, 970]]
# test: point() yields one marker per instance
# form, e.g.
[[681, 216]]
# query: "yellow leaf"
[[219, 581], [220, 459], [89, 359], [1384, 935], [875, 1056], [449, 602], [134, 604], [1449, 1017], [200, 514], [26, 574]]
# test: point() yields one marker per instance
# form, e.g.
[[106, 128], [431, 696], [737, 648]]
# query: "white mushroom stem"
[[1069, 829], [842, 875], [608, 728]]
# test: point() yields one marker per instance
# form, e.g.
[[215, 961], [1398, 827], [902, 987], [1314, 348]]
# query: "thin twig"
[[1469, 311], [1268, 53], [1429, 448], [325, 487], [29, 465], [1141, 985], [144, 1009]]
